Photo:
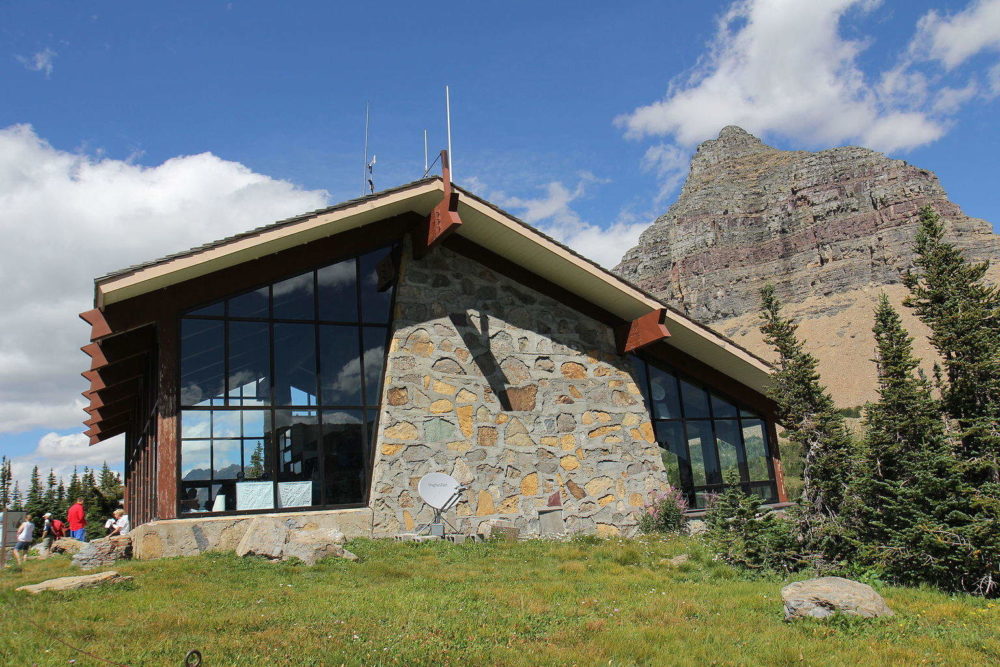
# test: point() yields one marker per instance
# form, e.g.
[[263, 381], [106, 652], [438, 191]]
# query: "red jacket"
[[58, 529], [76, 517]]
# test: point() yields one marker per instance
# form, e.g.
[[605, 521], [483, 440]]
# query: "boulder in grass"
[[103, 552], [826, 596], [311, 546], [271, 538], [73, 583], [67, 545]]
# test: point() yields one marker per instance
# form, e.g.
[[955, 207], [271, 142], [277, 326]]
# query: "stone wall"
[[515, 395]]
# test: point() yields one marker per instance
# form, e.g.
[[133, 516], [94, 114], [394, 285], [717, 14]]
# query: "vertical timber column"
[[167, 445], [779, 473]]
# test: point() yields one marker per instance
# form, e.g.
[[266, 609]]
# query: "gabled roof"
[[482, 223]]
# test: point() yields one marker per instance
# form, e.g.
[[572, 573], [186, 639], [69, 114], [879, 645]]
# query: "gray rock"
[[265, 536], [67, 545], [103, 552], [311, 546], [74, 583], [825, 596]]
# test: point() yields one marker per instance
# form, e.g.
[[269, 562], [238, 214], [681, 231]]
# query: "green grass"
[[584, 602]]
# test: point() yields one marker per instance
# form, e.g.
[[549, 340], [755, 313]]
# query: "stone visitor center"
[[319, 366]]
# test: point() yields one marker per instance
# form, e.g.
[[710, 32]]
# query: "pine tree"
[[107, 481], [74, 490], [5, 481], [809, 415], [35, 501], [16, 504], [49, 499], [948, 294], [61, 501]]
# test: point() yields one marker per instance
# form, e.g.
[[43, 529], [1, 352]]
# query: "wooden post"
[[168, 446]]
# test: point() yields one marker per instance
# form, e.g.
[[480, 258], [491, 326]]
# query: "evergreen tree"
[[948, 294], [35, 499], [49, 499], [74, 490], [61, 502], [107, 481], [810, 418], [5, 481], [16, 504]]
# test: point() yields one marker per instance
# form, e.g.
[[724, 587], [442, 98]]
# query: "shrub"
[[745, 536], [664, 513]]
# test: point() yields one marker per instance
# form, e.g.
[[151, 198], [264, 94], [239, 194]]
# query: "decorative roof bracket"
[[642, 331], [443, 218]]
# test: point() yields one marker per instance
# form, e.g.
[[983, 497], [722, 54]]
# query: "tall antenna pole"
[[426, 168], [447, 107], [364, 165]]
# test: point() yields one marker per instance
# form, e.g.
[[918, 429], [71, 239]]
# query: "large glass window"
[[705, 437], [280, 388]]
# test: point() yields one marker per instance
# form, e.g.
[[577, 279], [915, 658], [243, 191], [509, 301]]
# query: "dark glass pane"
[[294, 364], [297, 434], [755, 442], [695, 401], [663, 385], [216, 309], [227, 460], [196, 460], [674, 453], [377, 281], [195, 498], [722, 409], [196, 424], [639, 374], [343, 457], [249, 363], [338, 298], [252, 304], [727, 438], [340, 365], [293, 298], [374, 339], [202, 362], [701, 445], [766, 490], [747, 413]]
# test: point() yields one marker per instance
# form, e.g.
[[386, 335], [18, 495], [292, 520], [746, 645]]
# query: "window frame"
[[370, 412]]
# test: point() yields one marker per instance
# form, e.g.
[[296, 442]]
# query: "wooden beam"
[[105, 434], [116, 373], [120, 347], [99, 327], [97, 358], [443, 218], [642, 331], [112, 409], [113, 393]]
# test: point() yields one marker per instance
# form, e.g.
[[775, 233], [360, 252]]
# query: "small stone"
[[569, 462], [401, 431], [607, 530], [510, 505], [443, 387], [574, 392], [515, 370], [448, 366], [610, 498], [567, 442], [603, 430], [572, 370], [441, 406], [465, 396], [438, 430], [529, 484], [522, 398], [464, 413], [397, 396], [575, 490], [635, 500], [459, 446], [564, 400], [621, 399], [565, 422], [485, 505], [486, 436], [598, 485], [391, 450]]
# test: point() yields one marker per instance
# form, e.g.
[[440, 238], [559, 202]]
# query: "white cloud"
[[67, 218], [63, 453], [954, 39], [783, 67], [553, 214], [39, 62]]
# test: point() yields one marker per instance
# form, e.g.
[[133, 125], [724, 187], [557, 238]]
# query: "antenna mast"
[[364, 165], [451, 156], [426, 168]]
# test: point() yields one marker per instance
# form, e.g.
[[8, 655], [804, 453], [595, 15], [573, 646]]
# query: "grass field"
[[584, 602]]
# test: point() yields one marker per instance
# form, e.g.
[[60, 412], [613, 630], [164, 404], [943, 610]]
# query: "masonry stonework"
[[514, 394]]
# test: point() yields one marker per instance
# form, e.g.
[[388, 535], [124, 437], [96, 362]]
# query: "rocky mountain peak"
[[830, 228]]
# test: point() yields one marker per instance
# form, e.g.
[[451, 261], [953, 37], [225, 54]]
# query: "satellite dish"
[[439, 490]]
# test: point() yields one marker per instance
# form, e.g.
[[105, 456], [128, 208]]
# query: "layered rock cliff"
[[831, 229]]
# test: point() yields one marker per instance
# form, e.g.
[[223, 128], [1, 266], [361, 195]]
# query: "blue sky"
[[130, 130]]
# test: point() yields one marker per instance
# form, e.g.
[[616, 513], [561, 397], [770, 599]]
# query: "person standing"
[[48, 533], [77, 518], [25, 535]]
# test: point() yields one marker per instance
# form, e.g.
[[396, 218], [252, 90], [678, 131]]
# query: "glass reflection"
[[338, 298], [374, 360], [340, 366], [255, 304], [756, 448], [294, 364], [665, 399], [293, 298], [344, 463], [202, 362], [377, 278], [695, 401]]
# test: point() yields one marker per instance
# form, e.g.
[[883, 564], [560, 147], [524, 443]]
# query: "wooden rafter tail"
[[443, 219], [97, 358], [99, 327], [642, 331]]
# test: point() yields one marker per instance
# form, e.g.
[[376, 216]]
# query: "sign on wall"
[[9, 522]]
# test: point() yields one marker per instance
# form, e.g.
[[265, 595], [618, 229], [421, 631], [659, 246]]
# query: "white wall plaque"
[[295, 494], [254, 495]]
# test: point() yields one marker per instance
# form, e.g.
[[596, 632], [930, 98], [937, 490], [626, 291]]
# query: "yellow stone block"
[[443, 387], [422, 348], [485, 505], [529, 484], [502, 418], [441, 406], [465, 396], [464, 413], [401, 431], [569, 462], [567, 442], [613, 439], [408, 520], [549, 441], [510, 505], [580, 454], [607, 530], [574, 392], [603, 430], [391, 450], [604, 500], [460, 446], [635, 500], [631, 419]]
